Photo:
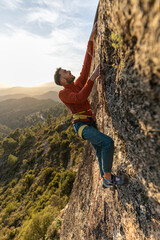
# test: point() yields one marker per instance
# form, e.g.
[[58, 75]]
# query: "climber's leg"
[[104, 142], [104, 147], [98, 153]]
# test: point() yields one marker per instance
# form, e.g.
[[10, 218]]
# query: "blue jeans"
[[103, 145]]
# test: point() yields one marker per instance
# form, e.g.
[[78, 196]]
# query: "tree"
[[12, 160], [9, 144]]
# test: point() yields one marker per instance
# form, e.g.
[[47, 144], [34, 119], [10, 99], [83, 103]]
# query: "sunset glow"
[[39, 36]]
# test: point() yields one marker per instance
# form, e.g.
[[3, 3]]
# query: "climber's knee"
[[109, 143]]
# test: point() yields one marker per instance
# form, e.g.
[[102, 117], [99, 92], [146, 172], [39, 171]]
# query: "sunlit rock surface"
[[128, 44]]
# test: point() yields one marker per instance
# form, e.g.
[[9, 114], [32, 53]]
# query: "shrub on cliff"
[[55, 182], [27, 138], [9, 144], [15, 135], [67, 181], [10, 208], [12, 160], [28, 180], [46, 175], [38, 226]]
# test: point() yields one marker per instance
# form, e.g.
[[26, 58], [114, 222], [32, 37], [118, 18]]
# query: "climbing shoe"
[[115, 180]]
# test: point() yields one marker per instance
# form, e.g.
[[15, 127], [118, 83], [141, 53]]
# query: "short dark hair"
[[57, 77]]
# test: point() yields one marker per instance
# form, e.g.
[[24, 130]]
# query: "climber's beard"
[[70, 79]]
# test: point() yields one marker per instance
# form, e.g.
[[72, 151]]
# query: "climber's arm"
[[93, 33], [68, 96], [87, 60]]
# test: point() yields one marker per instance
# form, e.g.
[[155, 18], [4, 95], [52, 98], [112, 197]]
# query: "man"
[[74, 95]]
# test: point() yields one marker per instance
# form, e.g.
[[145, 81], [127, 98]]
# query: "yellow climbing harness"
[[79, 116], [80, 130]]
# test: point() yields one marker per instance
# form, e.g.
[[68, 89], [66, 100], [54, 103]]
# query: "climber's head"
[[63, 77]]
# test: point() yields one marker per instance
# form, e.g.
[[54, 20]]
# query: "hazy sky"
[[37, 36]]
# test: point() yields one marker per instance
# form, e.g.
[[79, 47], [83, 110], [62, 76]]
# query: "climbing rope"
[[101, 78]]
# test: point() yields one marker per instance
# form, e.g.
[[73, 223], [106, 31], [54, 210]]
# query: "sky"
[[37, 36]]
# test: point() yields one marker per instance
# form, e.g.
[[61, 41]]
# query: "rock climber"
[[75, 96]]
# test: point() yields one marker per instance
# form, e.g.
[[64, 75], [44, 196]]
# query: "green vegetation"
[[117, 44], [117, 40], [12, 159], [4, 130], [37, 229], [37, 175], [9, 144]]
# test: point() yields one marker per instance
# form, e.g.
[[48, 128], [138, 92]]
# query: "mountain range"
[[23, 106], [22, 112], [46, 91], [53, 95]]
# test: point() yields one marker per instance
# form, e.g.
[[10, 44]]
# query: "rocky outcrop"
[[128, 44]]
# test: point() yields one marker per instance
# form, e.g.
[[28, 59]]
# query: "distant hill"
[[18, 112], [12, 96], [31, 91], [48, 95]]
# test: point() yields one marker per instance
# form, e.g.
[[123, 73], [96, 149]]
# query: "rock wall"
[[128, 44]]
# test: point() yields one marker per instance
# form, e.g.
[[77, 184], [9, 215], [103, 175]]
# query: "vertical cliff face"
[[128, 41]]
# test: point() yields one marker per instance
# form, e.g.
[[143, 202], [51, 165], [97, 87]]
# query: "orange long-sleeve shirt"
[[75, 95]]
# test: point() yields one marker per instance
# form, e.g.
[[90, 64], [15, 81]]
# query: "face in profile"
[[67, 75]]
